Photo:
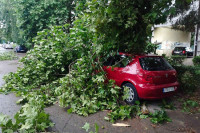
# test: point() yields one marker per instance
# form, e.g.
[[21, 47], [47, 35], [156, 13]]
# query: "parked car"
[[147, 77], [187, 51], [8, 46], [20, 49]]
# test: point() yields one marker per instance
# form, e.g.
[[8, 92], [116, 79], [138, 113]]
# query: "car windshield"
[[154, 64]]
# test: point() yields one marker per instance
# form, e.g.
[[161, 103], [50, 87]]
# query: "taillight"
[[147, 78], [183, 52]]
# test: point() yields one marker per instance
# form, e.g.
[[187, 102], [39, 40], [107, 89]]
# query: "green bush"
[[188, 77], [175, 60], [196, 60], [151, 48]]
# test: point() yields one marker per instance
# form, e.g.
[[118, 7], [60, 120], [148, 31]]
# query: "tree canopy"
[[10, 30], [33, 16], [186, 13]]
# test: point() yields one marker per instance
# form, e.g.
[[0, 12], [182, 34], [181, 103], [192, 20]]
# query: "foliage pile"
[[190, 105], [67, 64], [159, 117], [45, 63], [31, 118], [8, 56]]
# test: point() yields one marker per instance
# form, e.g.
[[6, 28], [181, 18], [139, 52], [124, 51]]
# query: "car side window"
[[109, 61], [117, 61]]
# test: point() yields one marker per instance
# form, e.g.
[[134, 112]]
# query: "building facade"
[[167, 38]]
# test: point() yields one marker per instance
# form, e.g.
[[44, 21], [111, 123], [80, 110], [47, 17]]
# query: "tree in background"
[[24, 19], [10, 31], [186, 13], [126, 25]]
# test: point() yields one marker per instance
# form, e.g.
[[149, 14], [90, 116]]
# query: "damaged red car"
[[146, 76]]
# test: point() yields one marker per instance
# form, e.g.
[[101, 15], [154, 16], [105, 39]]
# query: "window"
[[117, 61], [108, 61], [179, 49], [154, 64]]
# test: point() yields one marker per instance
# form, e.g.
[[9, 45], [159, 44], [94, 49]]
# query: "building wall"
[[169, 38], [167, 34]]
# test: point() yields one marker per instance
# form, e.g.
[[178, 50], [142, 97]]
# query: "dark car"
[[186, 51], [20, 49], [146, 77]]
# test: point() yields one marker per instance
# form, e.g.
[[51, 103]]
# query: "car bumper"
[[156, 91], [189, 53], [179, 54], [22, 51]]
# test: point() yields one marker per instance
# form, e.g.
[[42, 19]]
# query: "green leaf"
[[86, 127], [106, 118], [96, 128], [143, 116], [69, 111]]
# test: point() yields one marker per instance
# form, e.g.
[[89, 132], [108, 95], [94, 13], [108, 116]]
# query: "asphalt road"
[[8, 102]]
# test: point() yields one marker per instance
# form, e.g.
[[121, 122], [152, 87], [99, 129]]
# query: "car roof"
[[139, 55]]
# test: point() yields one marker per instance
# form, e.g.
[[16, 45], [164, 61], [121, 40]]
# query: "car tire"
[[133, 96]]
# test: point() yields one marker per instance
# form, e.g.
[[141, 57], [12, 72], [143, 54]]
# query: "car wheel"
[[133, 96]]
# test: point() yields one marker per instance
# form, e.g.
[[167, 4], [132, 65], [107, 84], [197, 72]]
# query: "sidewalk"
[[188, 62]]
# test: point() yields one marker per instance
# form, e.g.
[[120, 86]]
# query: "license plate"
[[169, 89]]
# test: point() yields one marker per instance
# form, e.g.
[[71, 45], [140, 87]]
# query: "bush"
[[151, 48], [188, 77], [196, 60], [175, 60]]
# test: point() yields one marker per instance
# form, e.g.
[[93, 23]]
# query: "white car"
[[8, 46]]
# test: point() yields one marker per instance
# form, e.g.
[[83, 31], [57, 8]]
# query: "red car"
[[147, 77]]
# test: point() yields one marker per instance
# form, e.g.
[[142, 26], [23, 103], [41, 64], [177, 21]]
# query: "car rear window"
[[154, 64], [179, 48]]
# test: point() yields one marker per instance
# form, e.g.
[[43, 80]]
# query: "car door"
[[114, 67]]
